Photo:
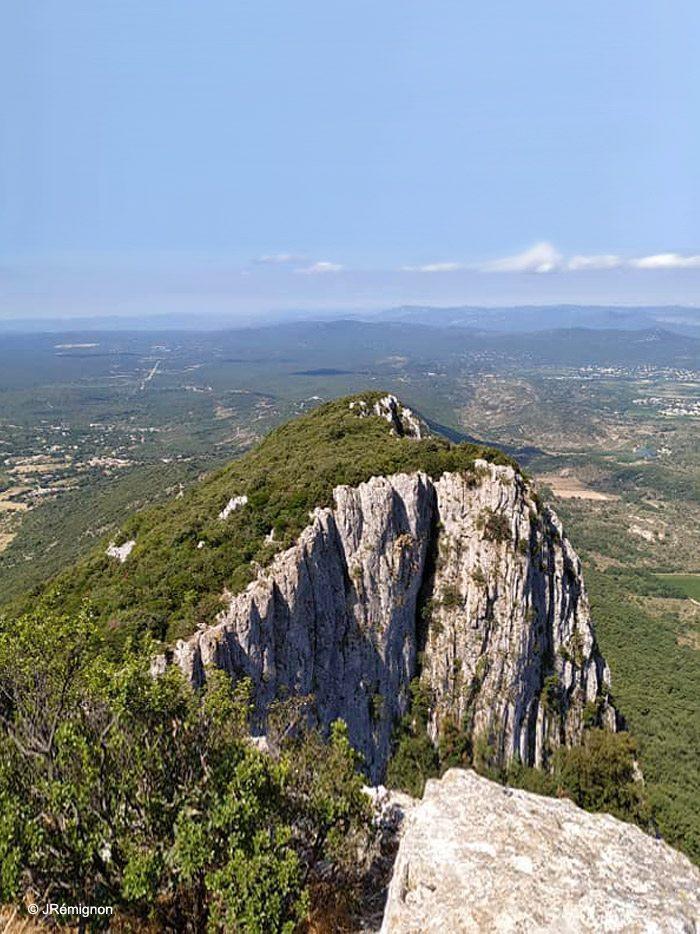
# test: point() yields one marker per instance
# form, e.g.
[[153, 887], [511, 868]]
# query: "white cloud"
[[666, 261], [600, 261], [320, 267], [435, 267], [542, 257], [279, 259]]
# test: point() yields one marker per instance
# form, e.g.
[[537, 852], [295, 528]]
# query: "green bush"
[[413, 762], [600, 775], [495, 526], [551, 694], [450, 597], [138, 792], [414, 759], [454, 745], [376, 707]]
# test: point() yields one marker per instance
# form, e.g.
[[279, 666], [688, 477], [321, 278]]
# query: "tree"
[[415, 758], [600, 775], [120, 788]]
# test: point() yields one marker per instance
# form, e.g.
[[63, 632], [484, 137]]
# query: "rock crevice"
[[465, 581]]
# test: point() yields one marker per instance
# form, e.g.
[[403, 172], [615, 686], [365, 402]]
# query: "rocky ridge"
[[475, 856], [465, 581], [403, 422]]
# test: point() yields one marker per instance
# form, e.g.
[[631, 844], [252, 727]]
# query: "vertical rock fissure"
[[427, 585], [410, 577]]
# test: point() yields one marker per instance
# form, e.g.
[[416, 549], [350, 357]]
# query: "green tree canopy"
[[120, 788]]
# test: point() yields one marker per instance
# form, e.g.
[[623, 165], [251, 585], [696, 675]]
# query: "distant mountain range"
[[507, 320], [528, 318]]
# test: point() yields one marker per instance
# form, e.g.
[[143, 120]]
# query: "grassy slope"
[[169, 584], [58, 533], [656, 683]]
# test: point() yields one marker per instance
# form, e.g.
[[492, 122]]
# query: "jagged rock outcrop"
[[465, 581], [335, 616], [476, 856], [403, 421]]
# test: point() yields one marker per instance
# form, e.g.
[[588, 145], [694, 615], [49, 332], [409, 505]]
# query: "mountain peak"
[[166, 569], [462, 584], [404, 423]]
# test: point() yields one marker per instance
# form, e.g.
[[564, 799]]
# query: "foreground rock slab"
[[479, 857]]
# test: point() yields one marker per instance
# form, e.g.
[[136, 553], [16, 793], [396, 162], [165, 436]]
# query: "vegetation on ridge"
[[657, 682], [185, 556]]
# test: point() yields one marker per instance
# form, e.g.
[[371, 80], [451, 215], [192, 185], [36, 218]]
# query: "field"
[[688, 583]]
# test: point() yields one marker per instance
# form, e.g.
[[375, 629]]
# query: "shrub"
[[454, 745], [551, 694], [413, 762], [494, 526], [414, 759], [376, 707], [120, 788], [600, 775], [450, 597]]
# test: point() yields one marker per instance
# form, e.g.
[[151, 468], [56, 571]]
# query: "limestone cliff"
[[510, 647], [475, 856], [466, 581]]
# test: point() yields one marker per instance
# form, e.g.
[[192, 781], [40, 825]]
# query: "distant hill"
[[519, 319]]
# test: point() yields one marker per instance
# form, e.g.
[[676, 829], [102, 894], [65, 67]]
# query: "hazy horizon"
[[497, 318]]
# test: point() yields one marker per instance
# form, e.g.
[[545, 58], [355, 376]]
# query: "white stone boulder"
[[476, 856]]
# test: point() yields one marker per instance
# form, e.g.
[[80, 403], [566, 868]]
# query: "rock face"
[[466, 582], [476, 856], [510, 650], [404, 423]]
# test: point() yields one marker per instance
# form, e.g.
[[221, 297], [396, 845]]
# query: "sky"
[[242, 156]]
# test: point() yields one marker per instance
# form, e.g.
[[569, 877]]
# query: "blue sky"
[[167, 155]]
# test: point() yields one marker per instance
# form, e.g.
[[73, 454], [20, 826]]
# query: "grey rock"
[[510, 647], [464, 581], [232, 505], [403, 422], [120, 552], [475, 856]]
